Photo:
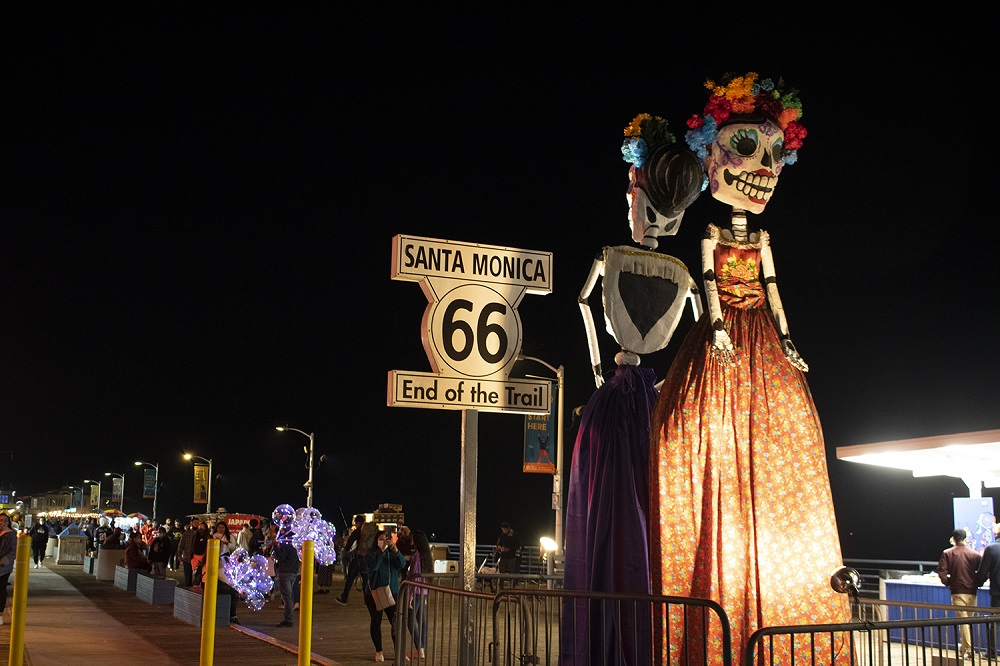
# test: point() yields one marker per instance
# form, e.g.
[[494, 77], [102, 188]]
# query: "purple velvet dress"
[[607, 543]]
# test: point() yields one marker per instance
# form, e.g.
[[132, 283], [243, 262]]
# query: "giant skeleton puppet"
[[644, 292], [740, 505]]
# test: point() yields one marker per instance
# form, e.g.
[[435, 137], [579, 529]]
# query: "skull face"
[[646, 221], [744, 164]]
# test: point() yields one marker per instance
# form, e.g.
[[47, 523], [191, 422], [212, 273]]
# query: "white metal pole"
[[561, 444], [156, 486], [209, 508], [309, 495]]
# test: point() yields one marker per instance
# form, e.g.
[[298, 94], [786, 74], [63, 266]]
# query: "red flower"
[[695, 121], [794, 134]]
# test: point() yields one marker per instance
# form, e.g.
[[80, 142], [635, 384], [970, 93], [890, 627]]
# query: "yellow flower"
[[634, 128]]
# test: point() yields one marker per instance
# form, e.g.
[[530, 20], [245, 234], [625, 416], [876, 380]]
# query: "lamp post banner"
[[540, 439], [116, 489], [148, 483], [94, 499], [201, 484]]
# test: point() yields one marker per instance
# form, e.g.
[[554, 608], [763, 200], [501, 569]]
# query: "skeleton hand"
[[792, 354], [722, 347]]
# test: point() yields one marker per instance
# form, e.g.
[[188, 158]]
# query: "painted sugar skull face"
[[647, 223], [744, 164]]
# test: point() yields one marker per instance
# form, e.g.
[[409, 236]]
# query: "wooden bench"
[[156, 591], [188, 603], [125, 578]]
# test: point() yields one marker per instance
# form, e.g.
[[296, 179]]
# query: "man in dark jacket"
[[286, 571], [351, 559], [39, 532], [989, 568], [184, 551], [957, 569], [199, 546]]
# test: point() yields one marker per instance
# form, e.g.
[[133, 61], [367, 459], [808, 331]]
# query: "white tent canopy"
[[973, 457]]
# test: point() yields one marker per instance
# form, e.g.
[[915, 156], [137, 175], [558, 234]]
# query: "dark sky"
[[197, 214]]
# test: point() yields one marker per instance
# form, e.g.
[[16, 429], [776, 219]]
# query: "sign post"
[[471, 333]]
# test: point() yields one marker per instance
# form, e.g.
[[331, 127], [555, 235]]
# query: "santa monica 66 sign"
[[471, 330]]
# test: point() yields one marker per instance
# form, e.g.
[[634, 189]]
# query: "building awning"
[[973, 457]]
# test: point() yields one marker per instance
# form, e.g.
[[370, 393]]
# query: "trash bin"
[[71, 549]]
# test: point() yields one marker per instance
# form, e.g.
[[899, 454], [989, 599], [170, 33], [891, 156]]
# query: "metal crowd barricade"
[[918, 634], [525, 624]]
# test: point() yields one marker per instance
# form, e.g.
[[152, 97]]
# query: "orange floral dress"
[[741, 510]]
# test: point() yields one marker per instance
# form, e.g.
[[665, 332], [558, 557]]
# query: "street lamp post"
[[72, 495], [121, 506], [156, 481], [309, 483], [98, 484], [557, 482], [188, 456]]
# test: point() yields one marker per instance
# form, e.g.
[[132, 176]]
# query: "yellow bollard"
[[306, 604], [211, 584], [22, 559]]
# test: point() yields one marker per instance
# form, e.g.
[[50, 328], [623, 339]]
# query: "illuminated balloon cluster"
[[306, 524], [247, 574]]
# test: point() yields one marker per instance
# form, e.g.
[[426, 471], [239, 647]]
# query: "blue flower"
[[699, 139], [634, 151]]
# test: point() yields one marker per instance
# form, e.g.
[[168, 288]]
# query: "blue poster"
[[149, 483], [540, 439], [975, 516]]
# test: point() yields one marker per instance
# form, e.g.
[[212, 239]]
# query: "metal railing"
[[531, 561], [520, 621], [922, 634], [873, 570]]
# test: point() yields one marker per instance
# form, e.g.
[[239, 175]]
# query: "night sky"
[[198, 209]]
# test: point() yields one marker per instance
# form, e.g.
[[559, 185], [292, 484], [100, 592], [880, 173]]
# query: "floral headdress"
[[746, 95], [643, 135]]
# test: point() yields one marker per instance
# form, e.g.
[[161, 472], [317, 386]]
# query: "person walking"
[[8, 553], [226, 541], [243, 538], [256, 537], [352, 559], [957, 570], [184, 551], [989, 569], [199, 546], [286, 571], [39, 533], [175, 532], [159, 553], [420, 564], [381, 567]]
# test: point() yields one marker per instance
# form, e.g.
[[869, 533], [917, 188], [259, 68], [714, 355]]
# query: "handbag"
[[383, 597]]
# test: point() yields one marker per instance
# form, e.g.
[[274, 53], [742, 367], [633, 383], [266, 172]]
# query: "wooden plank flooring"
[[340, 634]]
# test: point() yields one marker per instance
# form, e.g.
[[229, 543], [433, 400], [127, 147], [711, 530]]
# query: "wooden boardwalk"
[[340, 633]]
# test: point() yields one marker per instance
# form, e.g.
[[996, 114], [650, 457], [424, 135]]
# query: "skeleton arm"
[[777, 311], [596, 271], [722, 345]]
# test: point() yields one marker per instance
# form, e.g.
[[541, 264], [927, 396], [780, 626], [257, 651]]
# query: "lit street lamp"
[[309, 483], [98, 484], [188, 456], [156, 481], [557, 482], [121, 506]]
